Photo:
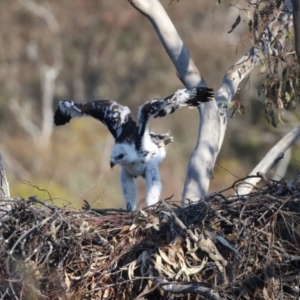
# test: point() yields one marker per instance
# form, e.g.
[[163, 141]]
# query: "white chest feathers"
[[135, 162]]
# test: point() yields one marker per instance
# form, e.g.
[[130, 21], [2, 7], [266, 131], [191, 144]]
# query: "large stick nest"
[[221, 248]]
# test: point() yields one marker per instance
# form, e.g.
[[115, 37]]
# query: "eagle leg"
[[153, 183], [128, 189]]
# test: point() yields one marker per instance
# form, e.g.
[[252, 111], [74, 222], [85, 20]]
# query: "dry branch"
[[296, 19], [4, 187], [268, 162], [48, 74], [171, 40]]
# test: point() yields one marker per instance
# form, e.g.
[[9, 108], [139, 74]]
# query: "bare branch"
[[4, 187], [296, 18], [43, 13], [213, 123], [30, 127], [171, 40], [4, 190], [202, 161], [236, 73], [48, 73], [195, 288], [268, 161], [282, 164]]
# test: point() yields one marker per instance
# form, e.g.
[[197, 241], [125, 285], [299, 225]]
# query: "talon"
[[129, 207]]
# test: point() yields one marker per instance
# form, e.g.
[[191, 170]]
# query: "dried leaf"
[[266, 294], [166, 259], [133, 226], [207, 245], [195, 269], [263, 68], [279, 118], [235, 24], [160, 268], [131, 268], [67, 281], [287, 96], [191, 250], [156, 227], [148, 225], [141, 214], [125, 229]]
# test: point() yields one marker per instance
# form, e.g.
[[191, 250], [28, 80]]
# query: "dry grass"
[[223, 248]]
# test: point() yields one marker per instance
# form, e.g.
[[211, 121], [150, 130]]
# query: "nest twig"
[[222, 248]]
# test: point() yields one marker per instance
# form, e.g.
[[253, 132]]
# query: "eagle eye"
[[120, 156]]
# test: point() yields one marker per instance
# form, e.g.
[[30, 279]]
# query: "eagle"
[[137, 150]]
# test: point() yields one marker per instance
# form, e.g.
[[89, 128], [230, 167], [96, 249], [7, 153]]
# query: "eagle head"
[[121, 154]]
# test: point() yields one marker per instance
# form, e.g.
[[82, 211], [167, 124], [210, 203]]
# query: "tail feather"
[[161, 138], [168, 140]]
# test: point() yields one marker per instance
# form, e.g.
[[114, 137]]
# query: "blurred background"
[[85, 50]]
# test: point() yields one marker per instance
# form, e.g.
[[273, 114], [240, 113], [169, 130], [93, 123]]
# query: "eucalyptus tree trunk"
[[296, 18], [4, 189], [213, 115]]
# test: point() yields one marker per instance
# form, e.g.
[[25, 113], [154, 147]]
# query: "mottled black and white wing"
[[114, 116], [161, 107], [192, 98]]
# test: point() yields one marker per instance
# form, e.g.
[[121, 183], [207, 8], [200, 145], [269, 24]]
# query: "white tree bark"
[[171, 40], [4, 190], [213, 116], [268, 162], [48, 73], [200, 166], [296, 17], [4, 186], [283, 165]]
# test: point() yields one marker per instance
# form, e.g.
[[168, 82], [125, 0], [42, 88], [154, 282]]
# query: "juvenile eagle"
[[138, 151]]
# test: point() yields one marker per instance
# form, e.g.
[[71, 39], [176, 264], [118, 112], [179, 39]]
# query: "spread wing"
[[161, 107], [114, 116]]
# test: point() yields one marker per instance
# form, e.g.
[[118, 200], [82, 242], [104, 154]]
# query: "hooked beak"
[[112, 164]]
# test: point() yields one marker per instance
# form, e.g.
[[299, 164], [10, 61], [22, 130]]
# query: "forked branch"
[[213, 118], [203, 158], [269, 160], [171, 40]]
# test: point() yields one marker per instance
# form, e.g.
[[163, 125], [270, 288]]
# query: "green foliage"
[[281, 88], [281, 81]]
